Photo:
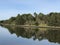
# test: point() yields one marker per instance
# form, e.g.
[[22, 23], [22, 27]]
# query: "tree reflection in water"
[[52, 35]]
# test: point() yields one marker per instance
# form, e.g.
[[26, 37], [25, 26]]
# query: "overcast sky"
[[9, 8]]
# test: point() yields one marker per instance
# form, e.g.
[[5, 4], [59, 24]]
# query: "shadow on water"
[[52, 35]]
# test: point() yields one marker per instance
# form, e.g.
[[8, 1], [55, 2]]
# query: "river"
[[28, 36]]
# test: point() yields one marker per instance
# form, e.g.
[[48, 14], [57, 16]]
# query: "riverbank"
[[32, 26]]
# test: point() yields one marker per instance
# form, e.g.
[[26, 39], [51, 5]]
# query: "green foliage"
[[1, 21], [11, 20], [51, 19], [19, 20], [54, 19]]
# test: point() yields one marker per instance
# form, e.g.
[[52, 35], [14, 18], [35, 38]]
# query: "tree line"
[[51, 19]]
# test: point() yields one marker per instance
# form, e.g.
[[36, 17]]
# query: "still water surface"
[[28, 36]]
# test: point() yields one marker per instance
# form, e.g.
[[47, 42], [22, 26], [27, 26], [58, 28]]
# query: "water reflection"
[[53, 35]]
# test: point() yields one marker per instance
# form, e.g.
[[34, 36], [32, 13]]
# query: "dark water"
[[10, 35]]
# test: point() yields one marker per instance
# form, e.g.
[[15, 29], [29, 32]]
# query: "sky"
[[9, 8]]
